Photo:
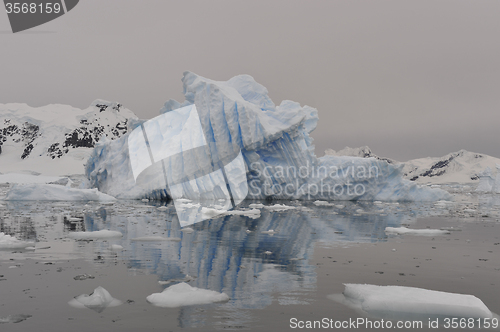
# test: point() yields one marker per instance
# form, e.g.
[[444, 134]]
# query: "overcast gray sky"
[[408, 78]]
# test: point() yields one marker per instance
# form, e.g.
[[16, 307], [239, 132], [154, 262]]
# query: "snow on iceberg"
[[99, 300], [54, 192], [400, 302], [182, 295], [237, 116]]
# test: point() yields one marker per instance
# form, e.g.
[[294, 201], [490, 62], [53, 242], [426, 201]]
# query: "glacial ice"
[[488, 182], [401, 302], [10, 242], [54, 192], [272, 146]]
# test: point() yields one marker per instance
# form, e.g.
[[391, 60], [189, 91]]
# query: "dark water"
[[270, 278]]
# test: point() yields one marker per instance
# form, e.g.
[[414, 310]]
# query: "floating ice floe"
[[53, 192], [14, 318], [155, 238], [10, 242], [426, 231], [208, 213], [253, 214], [279, 207], [99, 300], [400, 302], [256, 206], [322, 203], [102, 234], [183, 294]]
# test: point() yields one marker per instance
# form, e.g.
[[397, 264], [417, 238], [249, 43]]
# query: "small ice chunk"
[[253, 214], [426, 231], [187, 230], [99, 300], [162, 208], [183, 200], [116, 247], [256, 206], [270, 232], [155, 238], [208, 213], [187, 205], [322, 203], [397, 302], [102, 234], [183, 294], [14, 318], [279, 207]]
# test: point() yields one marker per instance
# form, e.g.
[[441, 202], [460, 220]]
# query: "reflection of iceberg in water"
[[231, 254], [227, 254]]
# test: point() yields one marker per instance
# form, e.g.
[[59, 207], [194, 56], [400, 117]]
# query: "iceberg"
[[265, 150], [54, 192], [10, 242], [488, 182]]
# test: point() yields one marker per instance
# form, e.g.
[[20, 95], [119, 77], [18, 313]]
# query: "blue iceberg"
[[242, 146]]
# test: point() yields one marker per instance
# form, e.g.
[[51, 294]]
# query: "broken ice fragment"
[[99, 300]]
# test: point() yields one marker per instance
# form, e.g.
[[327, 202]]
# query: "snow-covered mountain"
[[456, 167], [363, 152], [56, 139]]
